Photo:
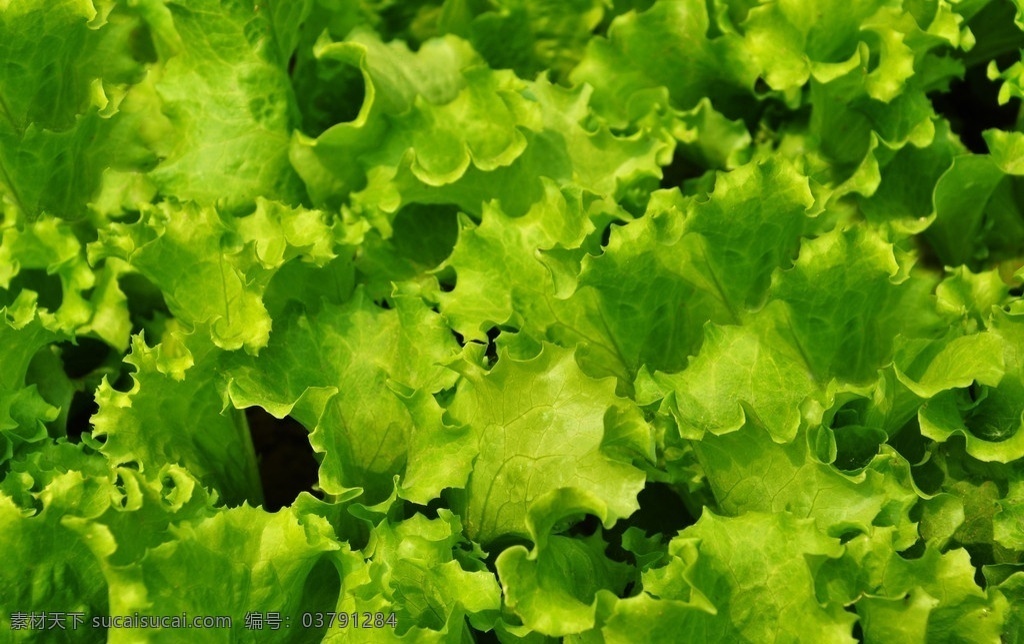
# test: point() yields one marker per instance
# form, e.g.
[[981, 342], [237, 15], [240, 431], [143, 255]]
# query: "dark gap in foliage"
[[86, 233], [909, 442], [927, 258], [491, 352], [680, 170], [119, 485], [856, 446], [383, 303], [606, 235], [858, 631], [773, 116], [239, 211], [915, 551], [320, 596], [615, 551], [124, 381], [446, 281], [981, 554], [414, 23], [971, 105], [84, 357], [31, 504], [461, 339], [662, 510], [80, 412], [167, 487], [140, 45], [627, 590], [292, 61], [287, 463], [327, 92], [916, 512], [585, 527], [426, 233], [129, 216], [485, 637], [1016, 291], [874, 51], [429, 510], [496, 547], [850, 535], [974, 391], [47, 287], [145, 300], [928, 477]]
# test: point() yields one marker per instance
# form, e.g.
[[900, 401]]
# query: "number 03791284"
[[349, 620]]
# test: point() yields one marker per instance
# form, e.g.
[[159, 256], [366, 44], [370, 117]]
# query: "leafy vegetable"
[[514, 320]]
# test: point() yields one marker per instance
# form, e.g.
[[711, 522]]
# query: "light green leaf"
[[961, 194], [955, 364], [430, 575], [633, 61], [222, 82], [971, 295], [339, 372], [845, 298], [176, 386], [553, 591], [539, 426], [212, 268], [692, 262], [64, 575], [986, 411], [553, 587], [45, 253], [72, 521], [932, 597], [1006, 150], [749, 578], [499, 280], [533, 36], [59, 126], [1008, 522], [24, 330], [257, 560], [749, 472], [743, 374]]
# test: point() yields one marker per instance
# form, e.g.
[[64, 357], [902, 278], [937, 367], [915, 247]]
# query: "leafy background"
[[519, 319]]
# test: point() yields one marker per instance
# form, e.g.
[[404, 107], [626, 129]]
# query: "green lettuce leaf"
[[24, 330], [553, 587], [55, 144], [220, 75], [339, 373], [745, 578], [213, 269], [539, 426], [142, 427]]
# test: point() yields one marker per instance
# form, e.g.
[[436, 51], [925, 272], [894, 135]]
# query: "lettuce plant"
[[511, 320]]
